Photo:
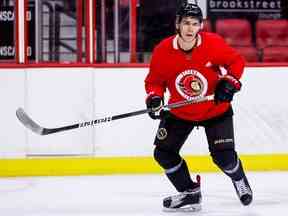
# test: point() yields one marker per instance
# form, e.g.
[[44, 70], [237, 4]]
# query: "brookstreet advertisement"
[[244, 8]]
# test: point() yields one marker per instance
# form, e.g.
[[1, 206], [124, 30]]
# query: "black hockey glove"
[[154, 103], [226, 88]]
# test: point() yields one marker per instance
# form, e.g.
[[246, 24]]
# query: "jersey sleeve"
[[228, 57], [155, 80]]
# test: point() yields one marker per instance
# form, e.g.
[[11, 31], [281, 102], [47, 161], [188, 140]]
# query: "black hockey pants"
[[173, 132]]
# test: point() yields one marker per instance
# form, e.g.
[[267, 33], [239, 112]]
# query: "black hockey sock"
[[180, 177], [236, 171], [229, 162]]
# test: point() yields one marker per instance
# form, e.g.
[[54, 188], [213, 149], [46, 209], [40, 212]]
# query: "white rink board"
[[12, 95], [59, 96], [261, 111]]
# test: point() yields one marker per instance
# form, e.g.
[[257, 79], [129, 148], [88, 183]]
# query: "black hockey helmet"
[[188, 9]]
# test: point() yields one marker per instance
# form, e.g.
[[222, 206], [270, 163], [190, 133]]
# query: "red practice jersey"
[[192, 75]]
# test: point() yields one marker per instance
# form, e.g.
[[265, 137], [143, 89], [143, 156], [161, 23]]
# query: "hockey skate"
[[243, 190], [187, 201]]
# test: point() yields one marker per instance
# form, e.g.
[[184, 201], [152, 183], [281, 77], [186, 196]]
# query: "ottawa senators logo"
[[191, 84], [162, 133]]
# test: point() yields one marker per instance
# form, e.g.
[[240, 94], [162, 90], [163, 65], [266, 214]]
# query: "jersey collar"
[[175, 43]]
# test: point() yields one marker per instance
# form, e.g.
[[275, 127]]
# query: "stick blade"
[[28, 122]]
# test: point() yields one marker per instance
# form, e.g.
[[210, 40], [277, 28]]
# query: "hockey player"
[[188, 65]]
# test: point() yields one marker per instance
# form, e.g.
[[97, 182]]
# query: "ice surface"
[[136, 195]]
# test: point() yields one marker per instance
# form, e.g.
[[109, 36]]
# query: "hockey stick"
[[36, 128]]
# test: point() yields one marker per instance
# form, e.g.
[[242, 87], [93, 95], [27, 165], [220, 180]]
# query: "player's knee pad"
[[225, 160], [166, 159]]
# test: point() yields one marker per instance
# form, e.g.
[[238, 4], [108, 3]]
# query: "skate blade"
[[187, 208]]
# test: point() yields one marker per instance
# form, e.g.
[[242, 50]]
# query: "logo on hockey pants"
[[162, 133]]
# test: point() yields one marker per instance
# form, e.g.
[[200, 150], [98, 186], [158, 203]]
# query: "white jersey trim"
[[175, 41]]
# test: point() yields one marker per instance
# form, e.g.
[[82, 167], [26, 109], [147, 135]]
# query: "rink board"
[[60, 96]]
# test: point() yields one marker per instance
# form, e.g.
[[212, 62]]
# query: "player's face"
[[189, 27]]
